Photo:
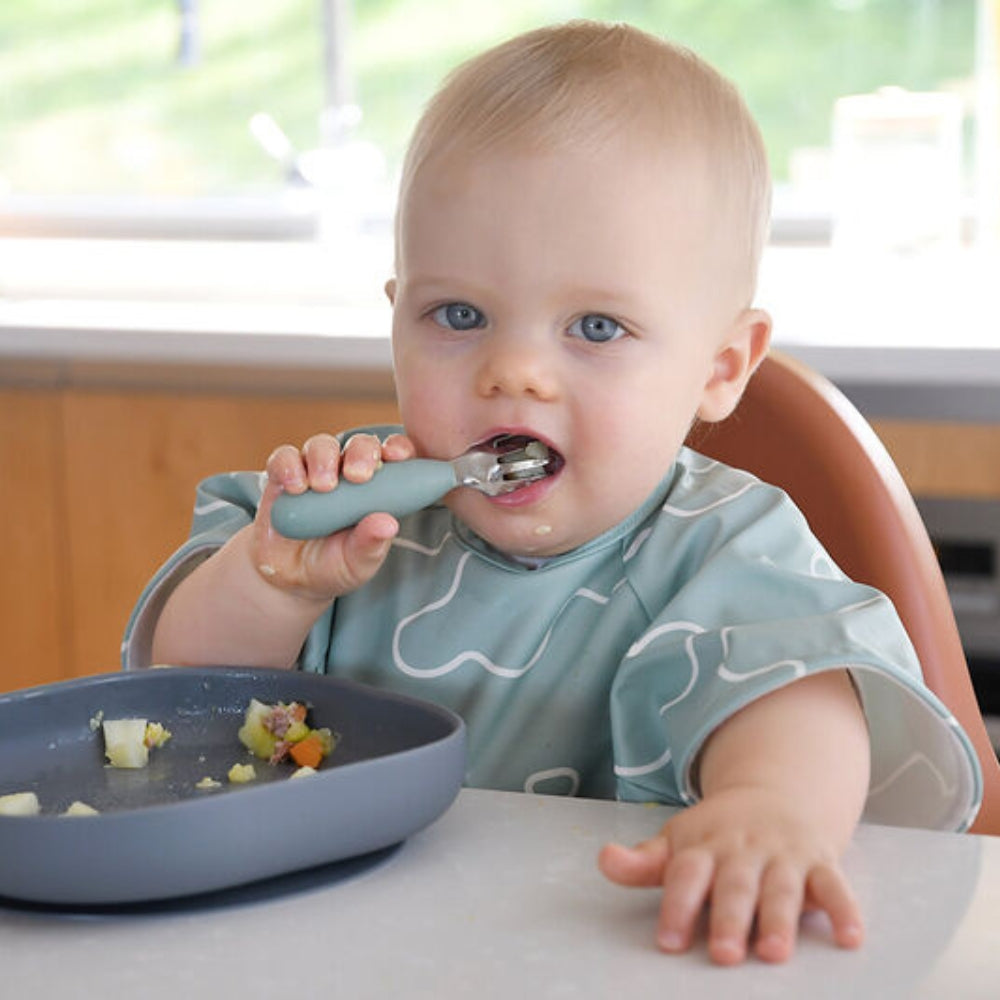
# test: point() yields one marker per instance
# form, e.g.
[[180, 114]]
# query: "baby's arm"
[[784, 783], [253, 602]]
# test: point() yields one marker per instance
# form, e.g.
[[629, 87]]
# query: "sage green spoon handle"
[[398, 488]]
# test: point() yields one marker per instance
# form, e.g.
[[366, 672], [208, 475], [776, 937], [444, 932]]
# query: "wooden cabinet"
[[34, 589], [942, 459], [97, 490]]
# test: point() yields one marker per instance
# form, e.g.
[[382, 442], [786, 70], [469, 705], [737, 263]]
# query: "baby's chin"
[[516, 534]]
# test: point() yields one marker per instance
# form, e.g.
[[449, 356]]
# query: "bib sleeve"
[[764, 606]]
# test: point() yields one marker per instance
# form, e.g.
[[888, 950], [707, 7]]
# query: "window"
[[201, 120]]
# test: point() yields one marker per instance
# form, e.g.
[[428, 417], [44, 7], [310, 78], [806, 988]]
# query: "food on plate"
[[127, 742], [303, 772], [208, 782], [275, 732], [310, 750], [240, 774], [79, 808], [156, 734], [19, 804]]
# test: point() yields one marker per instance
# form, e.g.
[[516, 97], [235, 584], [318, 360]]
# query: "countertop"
[[501, 898]]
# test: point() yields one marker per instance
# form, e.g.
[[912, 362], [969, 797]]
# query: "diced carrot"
[[308, 752]]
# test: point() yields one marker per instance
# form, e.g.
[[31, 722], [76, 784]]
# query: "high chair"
[[795, 429]]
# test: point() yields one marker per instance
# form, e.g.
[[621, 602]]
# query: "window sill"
[[320, 307]]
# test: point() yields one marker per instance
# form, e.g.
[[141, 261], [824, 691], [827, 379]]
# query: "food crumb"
[[156, 734], [303, 772], [240, 774], [208, 782], [79, 808]]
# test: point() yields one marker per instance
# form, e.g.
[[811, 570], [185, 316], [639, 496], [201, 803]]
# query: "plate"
[[398, 765]]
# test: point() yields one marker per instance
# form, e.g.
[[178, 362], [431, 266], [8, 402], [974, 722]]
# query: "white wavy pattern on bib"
[[570, 774], [668, 628], [798, 667], [669, 508], [471, 655]]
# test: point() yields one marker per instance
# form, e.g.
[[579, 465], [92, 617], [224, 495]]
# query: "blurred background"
[[117, 110]]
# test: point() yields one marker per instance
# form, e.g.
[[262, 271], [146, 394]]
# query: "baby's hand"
[[747, 855], [324, 568]]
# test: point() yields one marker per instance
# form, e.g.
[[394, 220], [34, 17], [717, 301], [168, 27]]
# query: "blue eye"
[[596, 328], [459, 316]]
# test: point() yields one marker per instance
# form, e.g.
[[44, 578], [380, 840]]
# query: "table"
[[501, 898]]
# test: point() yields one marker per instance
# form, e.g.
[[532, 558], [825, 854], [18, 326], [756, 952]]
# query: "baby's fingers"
[[642, 865], [686, 886], [286, 469], [398, 448], [736, 894], [321, 456], [827, 890], [362, 457], [779, 910]]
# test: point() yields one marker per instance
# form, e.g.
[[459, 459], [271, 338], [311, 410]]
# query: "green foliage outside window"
[[95, 97]]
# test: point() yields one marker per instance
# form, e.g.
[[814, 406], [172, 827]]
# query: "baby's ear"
[[390, 291], [736, 360]]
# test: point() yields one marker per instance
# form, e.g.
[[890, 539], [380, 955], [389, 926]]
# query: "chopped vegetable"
[[208, 782], [127, 742], [274, 732], [19, 804], [308, 752], [303, 772]]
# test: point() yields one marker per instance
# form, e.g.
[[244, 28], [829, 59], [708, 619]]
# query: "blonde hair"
[[583, 82]]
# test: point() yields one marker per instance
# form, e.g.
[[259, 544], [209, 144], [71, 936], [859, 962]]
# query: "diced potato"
[[298, 730], [303, 772], [125, 742], [208, 782], [240, 774], [253, 734], [79, 808], [19, 804]]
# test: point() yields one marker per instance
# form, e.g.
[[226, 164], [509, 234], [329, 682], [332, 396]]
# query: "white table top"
[[501, 898]]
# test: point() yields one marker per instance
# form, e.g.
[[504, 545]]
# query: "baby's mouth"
[[524, 459]]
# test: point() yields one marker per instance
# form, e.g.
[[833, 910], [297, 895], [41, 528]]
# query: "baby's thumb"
[[642, 865]]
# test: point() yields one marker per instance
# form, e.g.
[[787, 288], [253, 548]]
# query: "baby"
[[581, 216]]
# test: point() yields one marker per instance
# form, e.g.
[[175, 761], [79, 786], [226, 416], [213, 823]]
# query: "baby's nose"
[[517, 367]]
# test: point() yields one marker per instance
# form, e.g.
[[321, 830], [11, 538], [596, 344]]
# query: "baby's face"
[[569, 297]]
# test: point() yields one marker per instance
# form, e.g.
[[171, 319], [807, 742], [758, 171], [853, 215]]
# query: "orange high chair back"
[[796, 430]]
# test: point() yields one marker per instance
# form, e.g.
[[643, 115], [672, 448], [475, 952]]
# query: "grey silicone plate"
[[398, 766]]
